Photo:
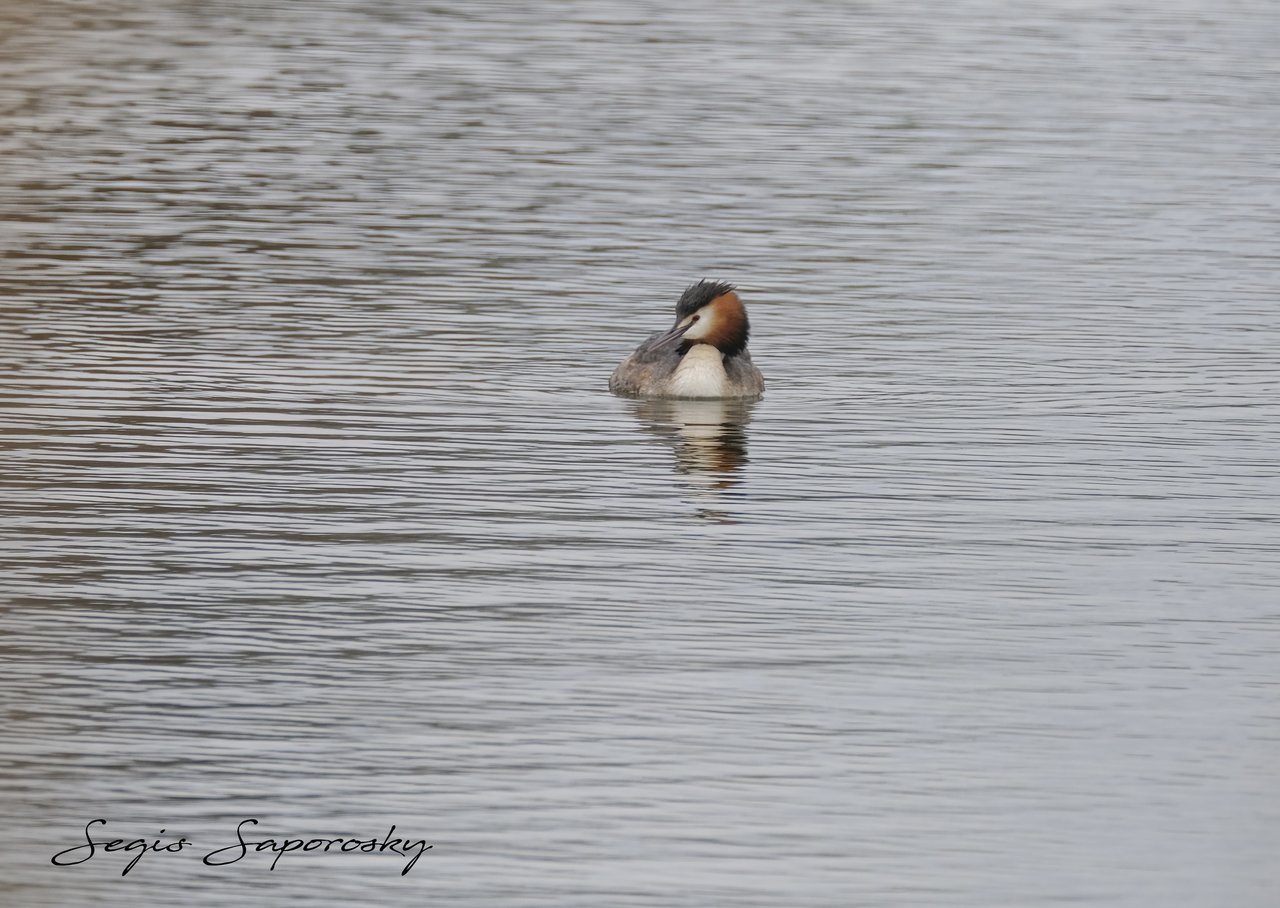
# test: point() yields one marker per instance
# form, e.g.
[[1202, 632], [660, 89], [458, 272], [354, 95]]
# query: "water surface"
[[316, 509]]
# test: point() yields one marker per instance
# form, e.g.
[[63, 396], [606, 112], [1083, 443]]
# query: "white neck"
[[700, 373]]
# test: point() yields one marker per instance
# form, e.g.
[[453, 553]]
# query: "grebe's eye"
[[695, 319]]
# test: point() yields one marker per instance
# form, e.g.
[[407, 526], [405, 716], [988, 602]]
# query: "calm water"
[[316, 509]]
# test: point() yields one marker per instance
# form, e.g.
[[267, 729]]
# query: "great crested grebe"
[[703, 355]]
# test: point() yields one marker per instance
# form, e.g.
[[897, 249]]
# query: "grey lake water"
[[316, 509]]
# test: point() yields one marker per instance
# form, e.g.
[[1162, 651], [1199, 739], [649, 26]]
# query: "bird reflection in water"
[[709, 439]]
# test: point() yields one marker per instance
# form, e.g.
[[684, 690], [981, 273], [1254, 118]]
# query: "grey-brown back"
[[745, 379], [646, 367]]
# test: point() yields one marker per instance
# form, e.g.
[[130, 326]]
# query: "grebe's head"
[[710, 312]]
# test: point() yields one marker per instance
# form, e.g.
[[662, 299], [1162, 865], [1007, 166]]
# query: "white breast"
[[700, 374]]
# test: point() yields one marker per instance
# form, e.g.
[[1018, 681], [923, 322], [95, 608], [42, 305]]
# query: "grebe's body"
[[703, 355]]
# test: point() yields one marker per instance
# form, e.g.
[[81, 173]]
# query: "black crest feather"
[[699, 295]]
